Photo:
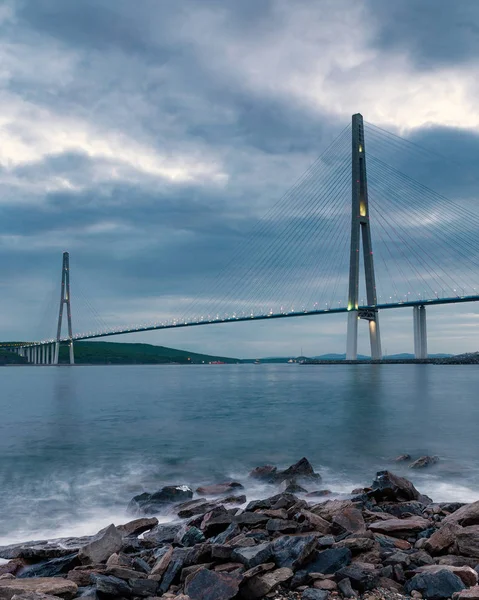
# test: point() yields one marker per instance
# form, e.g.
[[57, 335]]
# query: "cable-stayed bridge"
[[312, 254]]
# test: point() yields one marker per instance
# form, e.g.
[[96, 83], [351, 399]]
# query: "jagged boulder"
[[442, 539], [467, 575], [109, 585], [467, 541], [424, 461], [54, 586], [388, 486], [265, 473], [252, 556], [327, 562], [138, 526], [206, 584], [153, 503], [363, 576], [293, 551], [50, 568], [219, 489], [465, 515], [102, 546], [435, 586], [400, 527], [300, 471], [261, 585]]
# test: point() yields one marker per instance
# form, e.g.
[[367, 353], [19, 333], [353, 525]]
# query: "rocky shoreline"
[[383, 541]]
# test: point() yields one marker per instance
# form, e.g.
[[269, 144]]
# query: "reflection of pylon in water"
[[65, 299]]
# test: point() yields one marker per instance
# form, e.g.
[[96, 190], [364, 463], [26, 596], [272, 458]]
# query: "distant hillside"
[[11, 358], [335, 357], [115, 353]]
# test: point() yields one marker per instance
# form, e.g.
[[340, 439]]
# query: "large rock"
[[163, 560], [219, 489], [442, 539], [326, 562], [400, 527], [467, 575], [283, 500], [260, 585], [362, 576], [424, 461], [329, 561], [455, 560], [435, 586], [153, 503], [404, 509], [357, 543], [50, 568], [293, 551], [282, 526], [102, 546], [199, 506], [467, 540], [190, 537], [53, 586], [45, 549], [331, 508], [111, 586], [82, 576], [388, 486], [206, 585], [252, 556], [350, 520], [180, 558], [266, 473], [302, 471], [163, 533], [144, 588], [251, 519], [138, 526], [315, 521], [465, 516]]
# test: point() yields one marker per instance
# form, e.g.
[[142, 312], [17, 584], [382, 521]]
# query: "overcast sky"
[[147, 137]]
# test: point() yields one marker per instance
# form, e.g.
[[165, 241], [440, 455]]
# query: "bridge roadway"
[[283, 315], [324, 311]]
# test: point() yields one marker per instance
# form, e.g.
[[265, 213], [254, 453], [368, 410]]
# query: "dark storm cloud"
[[429, 31]]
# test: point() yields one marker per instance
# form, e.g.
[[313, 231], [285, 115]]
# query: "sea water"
[[77, 443]]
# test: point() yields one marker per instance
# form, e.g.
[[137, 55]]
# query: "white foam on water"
[[88, 526], [101, 507]]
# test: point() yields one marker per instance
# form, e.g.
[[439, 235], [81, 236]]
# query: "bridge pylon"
[[65, 299], [361, 234]]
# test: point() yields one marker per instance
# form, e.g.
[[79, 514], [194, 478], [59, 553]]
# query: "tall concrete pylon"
[[361, 232], [65, 299]]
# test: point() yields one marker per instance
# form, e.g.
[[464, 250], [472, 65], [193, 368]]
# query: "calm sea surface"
[[77, 443]]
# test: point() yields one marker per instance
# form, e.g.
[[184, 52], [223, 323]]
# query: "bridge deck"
[[283, 315], [287, 315]]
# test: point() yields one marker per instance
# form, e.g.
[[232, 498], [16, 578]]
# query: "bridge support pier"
[[420, 331], [352, 336], [361, 232], [65, 299]]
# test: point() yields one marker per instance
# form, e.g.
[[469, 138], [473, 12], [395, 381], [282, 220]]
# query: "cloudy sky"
[[147, 138]]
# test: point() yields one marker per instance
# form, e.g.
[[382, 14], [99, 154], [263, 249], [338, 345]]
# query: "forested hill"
[[113, 353]]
